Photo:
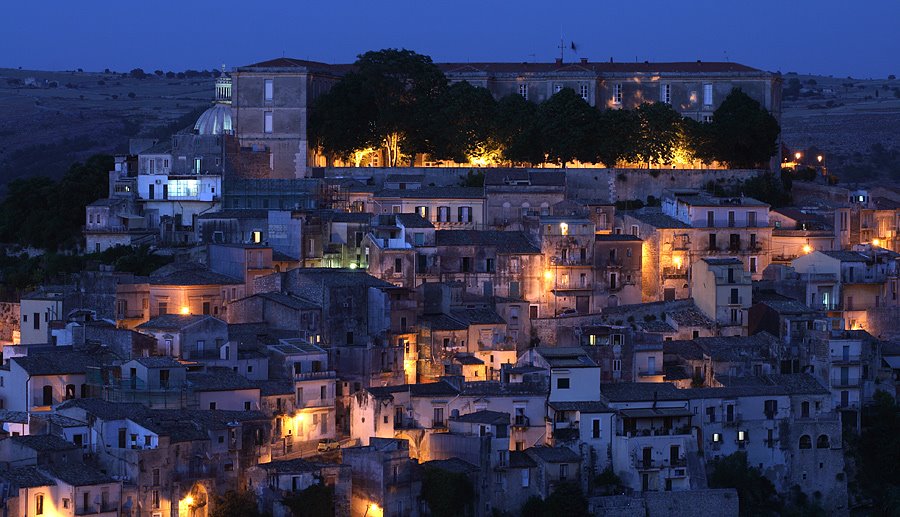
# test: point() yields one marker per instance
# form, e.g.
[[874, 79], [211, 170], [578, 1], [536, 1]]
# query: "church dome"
[[215, 121]]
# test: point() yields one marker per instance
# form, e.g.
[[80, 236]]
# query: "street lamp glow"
[[807, 248], [548, 275], [876, 242], [798, 155], [677, 261], [189, 500], [819, 158], [185, 310]]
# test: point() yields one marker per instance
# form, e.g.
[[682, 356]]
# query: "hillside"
[[52, 119]]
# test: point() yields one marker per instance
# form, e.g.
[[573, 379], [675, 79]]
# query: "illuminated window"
[[257, 237], [269, 90], [707, 95], [716, 438], [523, 91], [267, 126], [617, 93], [564, 228], [665, 93], [39, 504], [742, 436]]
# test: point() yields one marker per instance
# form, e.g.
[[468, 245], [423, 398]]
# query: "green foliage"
[[614, 140], [567, 499], [48, 214], [315, 501], [660, 132], [745, 134], [876, 454], [517, 130], [756, 493], [448, 494], [567, 124], [234, 504]]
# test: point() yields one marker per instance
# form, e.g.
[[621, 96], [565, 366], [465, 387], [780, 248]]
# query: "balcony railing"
[[845, 359], [848, 382], [313, 403], [674, 272], [521, 422], [657, 464], [308, 376]]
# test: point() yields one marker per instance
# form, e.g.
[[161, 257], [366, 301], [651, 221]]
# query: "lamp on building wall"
[[876, 242], [807, 248], [185, 310]]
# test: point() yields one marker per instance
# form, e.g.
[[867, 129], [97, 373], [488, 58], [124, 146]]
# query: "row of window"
[[665, 93]]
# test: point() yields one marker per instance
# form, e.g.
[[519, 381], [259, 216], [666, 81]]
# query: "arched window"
[[805, 442], [804, 409], [70, 391], [822, 442], [48, 396]]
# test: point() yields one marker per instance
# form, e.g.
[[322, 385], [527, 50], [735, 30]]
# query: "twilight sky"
[[829, 37]]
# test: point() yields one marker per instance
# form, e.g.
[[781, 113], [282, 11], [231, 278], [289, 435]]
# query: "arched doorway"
[[195, 503]]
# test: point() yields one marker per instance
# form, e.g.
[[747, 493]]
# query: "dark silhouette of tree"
[[465, 123], [315, 501], [567, 124], [517, 130], [448, 494], [341, 121], [877, 451], [660, 133], [616, 136], [746, 135], [756, 494], [235, 503]]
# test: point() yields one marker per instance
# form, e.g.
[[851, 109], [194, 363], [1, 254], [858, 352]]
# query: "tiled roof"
[[288, 300], [477, 316], [174, 321], [520, 460], [404, 178], [582, 406], [467, 359], [433, 193], [295, 465], [653, 216], [554, 454], [272, 387], [451, 465], [15, 417], [566, 357], [484, 417], [43, 442], [500, 389], [159, 361], [25, 477], [413, 221], [58, 362], [846, 256], [189, 273], [505, 242], [77, 474], [219, 379]]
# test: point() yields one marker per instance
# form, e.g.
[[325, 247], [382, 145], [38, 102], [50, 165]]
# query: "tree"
[[661, 132], [756, 493], [616, 136], [567, 127], [317, 500], [138, 73], [341, 121], [235, 503], [517, 130], [465, 125], [567, 499], [404, 88], [877, 451], [746, 135], [448, 494]]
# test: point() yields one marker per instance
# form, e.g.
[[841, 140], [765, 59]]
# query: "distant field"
[[44, 129]]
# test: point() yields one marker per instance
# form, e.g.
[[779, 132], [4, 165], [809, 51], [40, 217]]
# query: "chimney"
[[584, 60], [559, 61]]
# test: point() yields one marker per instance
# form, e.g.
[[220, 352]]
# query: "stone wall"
[[709, 502], [9, 320], [583, 183], [883, 322]]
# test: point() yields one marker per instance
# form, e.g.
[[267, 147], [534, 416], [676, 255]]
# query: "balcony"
[[845, 359], [315, 403], [309, 376], [659, 464], [674, 272], [521, 423], [846, 382]]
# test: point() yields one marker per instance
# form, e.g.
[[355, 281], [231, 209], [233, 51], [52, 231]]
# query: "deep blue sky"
[[830, 37]]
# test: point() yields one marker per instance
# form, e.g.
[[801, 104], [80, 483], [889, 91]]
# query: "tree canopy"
[[400, 102], [448, 494]]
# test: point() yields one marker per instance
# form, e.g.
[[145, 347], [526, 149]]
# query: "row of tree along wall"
[[582, 183]]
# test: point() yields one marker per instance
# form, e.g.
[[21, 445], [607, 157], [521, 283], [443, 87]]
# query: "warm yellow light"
[[189, 500], [677, 261], [374, 510], [819, 158], [564, 228], [798, 156], [185, 310], [807, 248], [548, 275], [876, 242]]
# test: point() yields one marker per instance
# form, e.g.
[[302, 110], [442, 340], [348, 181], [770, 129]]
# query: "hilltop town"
[[403, 288]]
